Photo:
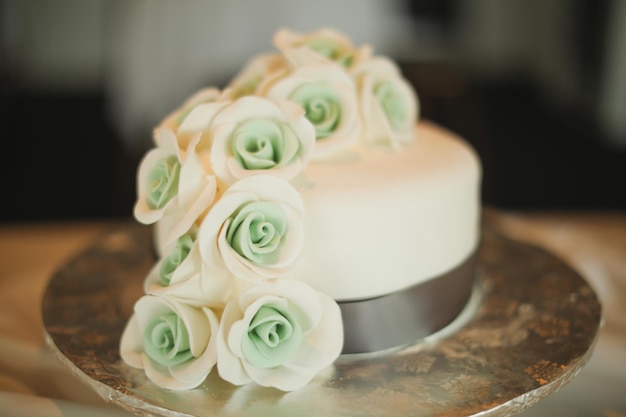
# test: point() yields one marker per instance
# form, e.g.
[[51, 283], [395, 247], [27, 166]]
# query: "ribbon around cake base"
[[407, 315]]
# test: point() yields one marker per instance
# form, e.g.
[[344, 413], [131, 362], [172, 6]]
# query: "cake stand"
[[528, 329]]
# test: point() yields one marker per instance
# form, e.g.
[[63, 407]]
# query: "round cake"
[[295, 211]]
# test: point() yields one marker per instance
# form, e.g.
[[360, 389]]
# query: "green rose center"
[[393, 104], [166, 340], [322, 106], [175, 258], [264, 144], [256, 231], [163, 182], [273, 337]]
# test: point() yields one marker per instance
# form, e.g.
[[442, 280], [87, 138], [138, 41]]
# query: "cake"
[[301, 212]]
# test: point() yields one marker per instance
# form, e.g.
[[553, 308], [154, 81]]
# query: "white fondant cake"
[[380, 220], [292, 210]]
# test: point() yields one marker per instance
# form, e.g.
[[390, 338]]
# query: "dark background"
[[65, 156]]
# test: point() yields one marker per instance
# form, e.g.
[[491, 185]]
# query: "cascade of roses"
[[218, 189]]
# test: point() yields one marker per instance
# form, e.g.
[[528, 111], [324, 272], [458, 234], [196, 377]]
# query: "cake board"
[[528, 329]]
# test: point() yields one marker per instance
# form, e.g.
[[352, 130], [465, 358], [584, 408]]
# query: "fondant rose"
[[194, 116], [278, 335], [197, 123], [181, 275], [254, 135], [328, 96], [254, 231], [388, 103], [169, 265], [326, 42], [173, 188], [256, 70], [204, 95], [158, 178], [174, 343]]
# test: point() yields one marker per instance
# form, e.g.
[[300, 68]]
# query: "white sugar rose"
[[198, 123], [181, 275], [255, 135], [328, 96], [195, 116], [326, 42], [255, 231], [173, 188], [278, 335], [388, 103], [259, 68], [176, 117], [157, 179], [174, 343]]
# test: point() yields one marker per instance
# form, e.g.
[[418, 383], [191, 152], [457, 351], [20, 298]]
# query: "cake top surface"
[[434, 152]]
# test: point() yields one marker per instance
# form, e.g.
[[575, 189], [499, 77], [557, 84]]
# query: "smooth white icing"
[[379, 220]]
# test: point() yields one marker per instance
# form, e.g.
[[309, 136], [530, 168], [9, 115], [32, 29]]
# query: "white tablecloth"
[[34, 383]]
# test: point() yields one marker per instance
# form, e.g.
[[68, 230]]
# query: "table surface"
[[34, 383]]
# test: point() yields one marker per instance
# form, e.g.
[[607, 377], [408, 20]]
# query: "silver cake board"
[[528, 329]]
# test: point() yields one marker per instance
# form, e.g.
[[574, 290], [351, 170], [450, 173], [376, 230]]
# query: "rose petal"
[[194, 284], [378, 128], [255, 71], [328, 44], [205, 95], [166, 147], [197, 190]]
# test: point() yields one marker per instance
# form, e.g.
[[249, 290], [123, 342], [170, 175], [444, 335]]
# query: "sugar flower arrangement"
[[218, 189]]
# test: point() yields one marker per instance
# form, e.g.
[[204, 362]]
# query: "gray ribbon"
[[407, 315]]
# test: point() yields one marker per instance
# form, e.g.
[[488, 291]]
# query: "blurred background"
[[537, 87]]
